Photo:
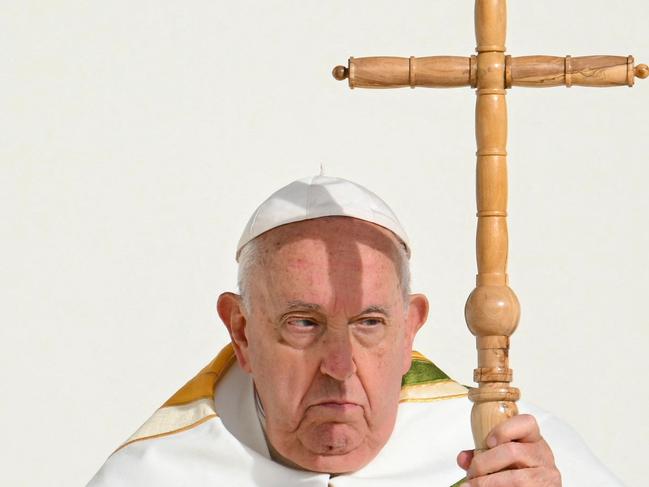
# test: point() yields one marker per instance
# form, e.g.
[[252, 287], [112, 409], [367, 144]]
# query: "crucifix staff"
[[492, 310]]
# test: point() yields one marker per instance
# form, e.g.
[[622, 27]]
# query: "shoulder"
[[190, 406], [187, 422]]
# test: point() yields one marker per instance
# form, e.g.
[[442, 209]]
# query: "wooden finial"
[[641, 71], [340, 73]]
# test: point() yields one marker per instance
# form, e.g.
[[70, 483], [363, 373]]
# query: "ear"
[[416, 317], [232, 314]]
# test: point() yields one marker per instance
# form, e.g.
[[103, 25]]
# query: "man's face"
[[327, 340]]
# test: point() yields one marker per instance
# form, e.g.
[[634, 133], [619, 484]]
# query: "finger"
[[518, 478], [464, 459], [511, 455], [523, 428]]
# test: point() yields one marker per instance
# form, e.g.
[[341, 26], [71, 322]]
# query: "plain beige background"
[[138, 136]]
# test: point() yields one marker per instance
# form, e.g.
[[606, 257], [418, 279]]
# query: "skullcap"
[[317, 197]]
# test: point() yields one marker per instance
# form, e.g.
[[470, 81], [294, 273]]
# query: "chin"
[[338, 464], [331, 444], [335, 448]]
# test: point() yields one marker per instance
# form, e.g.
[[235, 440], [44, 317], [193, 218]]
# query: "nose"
[[338, 355]]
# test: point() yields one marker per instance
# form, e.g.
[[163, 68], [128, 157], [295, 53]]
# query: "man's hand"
[[518, 456]]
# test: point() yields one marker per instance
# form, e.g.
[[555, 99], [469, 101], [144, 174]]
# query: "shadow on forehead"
[[343, 239], [336, 233]]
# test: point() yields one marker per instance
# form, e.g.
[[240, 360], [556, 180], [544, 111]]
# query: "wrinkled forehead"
[[327, 259], [342, 237]]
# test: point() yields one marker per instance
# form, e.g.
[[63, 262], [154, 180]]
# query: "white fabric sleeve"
[[578, 465]]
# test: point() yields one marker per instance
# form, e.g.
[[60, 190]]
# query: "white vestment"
[[208, 434]]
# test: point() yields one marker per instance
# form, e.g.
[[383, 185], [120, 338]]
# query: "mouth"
[[337, 405]]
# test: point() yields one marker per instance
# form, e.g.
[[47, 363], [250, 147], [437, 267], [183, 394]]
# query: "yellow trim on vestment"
[[167, 433], [418, 356], [191, 406], [435, 391], [203, 384]]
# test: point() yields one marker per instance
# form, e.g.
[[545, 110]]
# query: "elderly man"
[[320, 386]]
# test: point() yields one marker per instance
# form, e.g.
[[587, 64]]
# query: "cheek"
[[282, 377], [403, 350], [395, 352], [405, 355], [381, 377]]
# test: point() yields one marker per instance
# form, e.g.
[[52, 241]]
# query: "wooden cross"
[[492, 310]]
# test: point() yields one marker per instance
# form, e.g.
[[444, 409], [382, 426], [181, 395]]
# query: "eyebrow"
[[375, 309], [293, 305]]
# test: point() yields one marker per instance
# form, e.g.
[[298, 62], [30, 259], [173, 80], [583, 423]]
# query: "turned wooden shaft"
[[399, 72], [492, 310], [547, 71]]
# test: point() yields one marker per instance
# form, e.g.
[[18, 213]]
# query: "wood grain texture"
[[593, 71], [400, 72], [490, 25]]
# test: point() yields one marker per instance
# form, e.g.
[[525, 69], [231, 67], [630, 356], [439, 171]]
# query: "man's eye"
[[370, 322], [370, 330], [299, 332], [302, 324]]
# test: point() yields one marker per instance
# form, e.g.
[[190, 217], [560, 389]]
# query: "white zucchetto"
[[316, 197]]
